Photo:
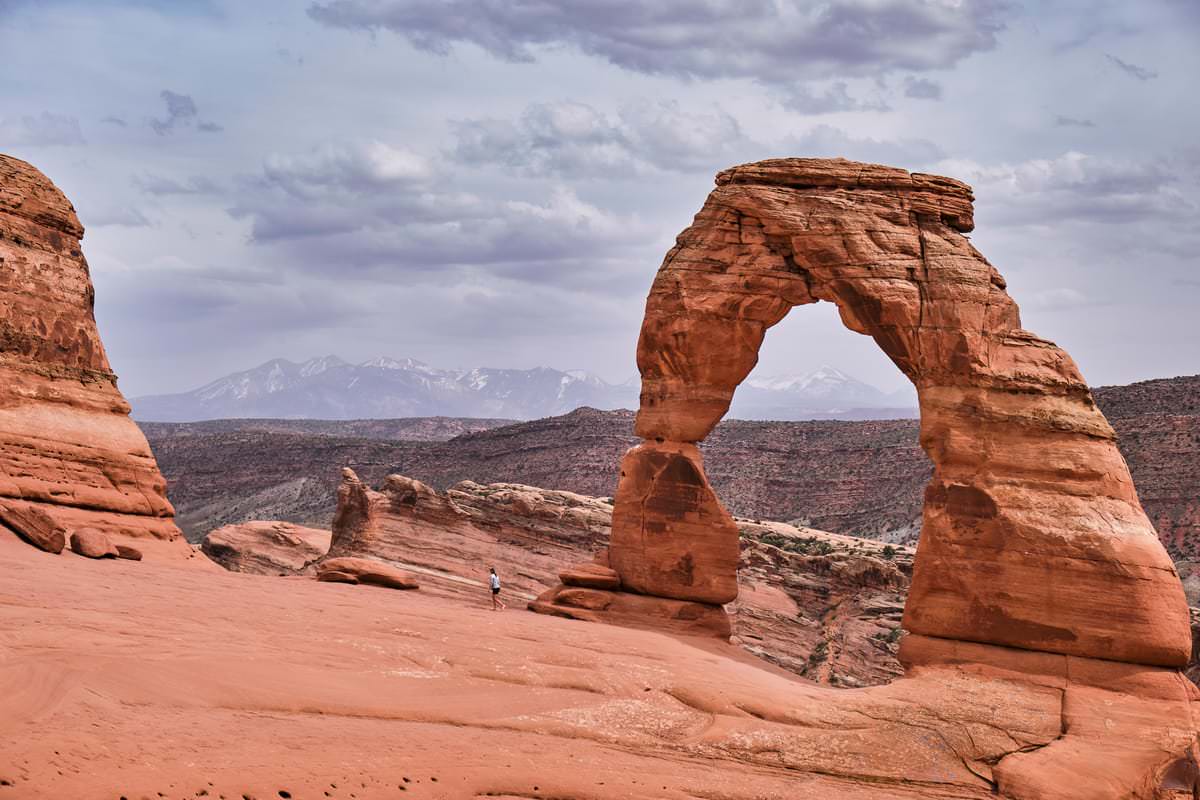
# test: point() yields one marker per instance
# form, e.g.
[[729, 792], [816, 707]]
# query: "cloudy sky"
[[494, 182]]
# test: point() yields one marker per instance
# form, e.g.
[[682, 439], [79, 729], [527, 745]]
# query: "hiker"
[[494, 581]]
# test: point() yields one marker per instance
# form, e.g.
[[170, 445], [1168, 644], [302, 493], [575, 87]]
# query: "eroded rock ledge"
[[818, 604]]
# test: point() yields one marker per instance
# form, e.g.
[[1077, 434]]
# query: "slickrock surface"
[[309, 688], [818, 604], [1032, 536], [67, 446], [266, 547]]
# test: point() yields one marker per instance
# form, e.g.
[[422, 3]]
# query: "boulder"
[[67, 444], [364, 570], [266, 547], [129, 553], [591, 576], [683, 617], [93, 544], [34, 526]]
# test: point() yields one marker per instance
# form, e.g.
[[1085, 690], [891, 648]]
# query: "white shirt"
[[495, 580]]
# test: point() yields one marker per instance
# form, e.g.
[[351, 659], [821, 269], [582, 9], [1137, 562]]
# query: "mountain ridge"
[[329, 387]]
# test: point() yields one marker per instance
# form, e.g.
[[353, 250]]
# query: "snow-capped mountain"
[[826, 392], [332, 388]]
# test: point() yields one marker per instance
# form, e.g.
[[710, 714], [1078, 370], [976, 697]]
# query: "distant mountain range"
[[386, 388]]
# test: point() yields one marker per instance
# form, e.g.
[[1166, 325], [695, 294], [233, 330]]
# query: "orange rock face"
[[266, 547], [673, 538], [1033, 535], [349, 569], [67, 446], [452, 538]]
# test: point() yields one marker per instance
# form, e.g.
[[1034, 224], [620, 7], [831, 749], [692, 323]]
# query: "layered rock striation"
[[68, 450], [452, 538]]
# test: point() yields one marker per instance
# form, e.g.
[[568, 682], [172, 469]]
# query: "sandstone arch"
[[1033, 536]]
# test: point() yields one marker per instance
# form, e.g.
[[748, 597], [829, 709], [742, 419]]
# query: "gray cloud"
[[41, 130], [115, 217], [1059, 298], [830, 100], [576, 140], [181, 111], [1078, 187], [1133, 70], [346, 167], [1070, 122], [162, 185], [922, 88], [830, 142], [377, 211], [115, 121], [775, 43]]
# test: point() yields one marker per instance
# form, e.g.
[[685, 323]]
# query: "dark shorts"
[[496, 590]]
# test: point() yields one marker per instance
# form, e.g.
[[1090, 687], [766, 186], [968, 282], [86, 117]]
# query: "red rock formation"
[[366, 571], [819, 604], [34, 526], [266, 548], [67, 446], [452, 538], [94, 544], [1033, 536]]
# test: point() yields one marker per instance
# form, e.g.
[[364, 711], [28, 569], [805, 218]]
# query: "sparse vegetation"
[[804, 545]]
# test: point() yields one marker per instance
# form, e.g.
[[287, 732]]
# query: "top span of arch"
[[950, 199]]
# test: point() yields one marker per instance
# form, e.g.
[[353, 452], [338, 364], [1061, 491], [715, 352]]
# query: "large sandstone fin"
[[68, 448]]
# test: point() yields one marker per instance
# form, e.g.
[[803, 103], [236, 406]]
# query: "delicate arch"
[[1033, 535]]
